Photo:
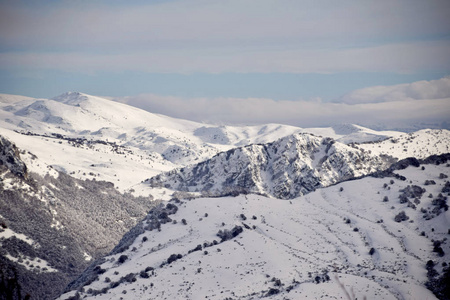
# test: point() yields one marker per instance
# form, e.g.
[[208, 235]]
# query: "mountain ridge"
[[287, 168]]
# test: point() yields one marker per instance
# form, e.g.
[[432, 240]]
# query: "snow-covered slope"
[[130, 144], [78, 153], [52, 226], [419, 144], [7, 98], [117, 142], [351, 133], [358, 237], [126, 145], [290, 167]]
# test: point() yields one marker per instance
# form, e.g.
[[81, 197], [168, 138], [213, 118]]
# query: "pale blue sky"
[[275, 49], [277, 86]]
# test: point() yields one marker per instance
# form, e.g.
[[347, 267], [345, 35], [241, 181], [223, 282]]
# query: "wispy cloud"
[[228, 36], [390, 58]]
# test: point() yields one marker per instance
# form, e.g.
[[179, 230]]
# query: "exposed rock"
[[9, 156]]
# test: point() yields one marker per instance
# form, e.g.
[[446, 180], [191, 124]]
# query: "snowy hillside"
[[130, 144], [359, 237], [6, 98], [72, 169], [126, 145], [297, 164], [351, 133], [116, 142], [419, 144], [285, 169], [51, 227]]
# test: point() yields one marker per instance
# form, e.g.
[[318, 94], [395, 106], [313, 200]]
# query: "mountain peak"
[[347, 128], [71, 98]]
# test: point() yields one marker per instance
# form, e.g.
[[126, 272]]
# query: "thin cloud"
[[228, 36], [80, 24], [390, 58]]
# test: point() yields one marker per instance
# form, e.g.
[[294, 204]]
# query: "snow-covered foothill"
[[419, 144], [339, 239]]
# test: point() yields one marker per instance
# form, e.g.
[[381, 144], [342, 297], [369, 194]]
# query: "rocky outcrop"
[[10, 157]]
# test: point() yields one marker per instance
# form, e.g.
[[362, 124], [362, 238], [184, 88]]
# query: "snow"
[[293, 241], [6, 233], [31, 263], [289, 167], [7, 98], [138, 145], [87, 257], [285, 244], [351, 133], [419, 144]]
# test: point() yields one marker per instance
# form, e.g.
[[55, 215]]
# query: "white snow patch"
[[6, 233], [32, 264]]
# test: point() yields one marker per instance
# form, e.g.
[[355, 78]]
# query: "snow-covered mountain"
[[72, 168], [130, 144], [285, 169], [374, 238]]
